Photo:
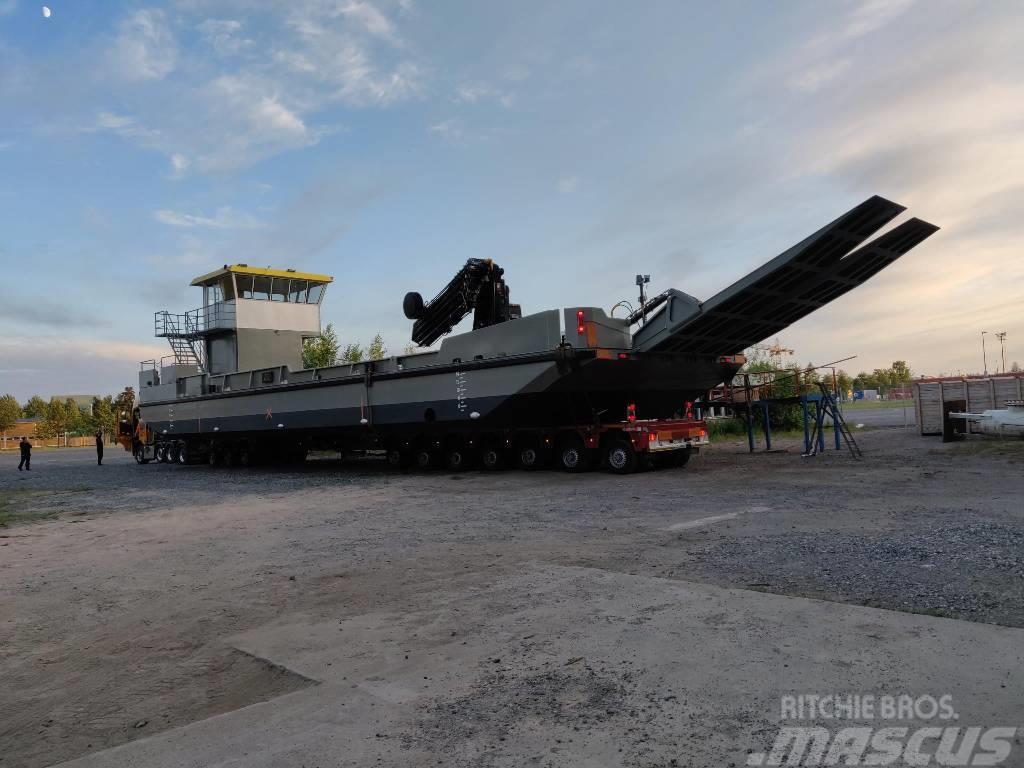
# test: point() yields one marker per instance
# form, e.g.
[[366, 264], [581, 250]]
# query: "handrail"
[[195, 322]]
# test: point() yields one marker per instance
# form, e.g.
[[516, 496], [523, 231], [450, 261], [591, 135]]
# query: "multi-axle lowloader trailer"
[[576, 386]]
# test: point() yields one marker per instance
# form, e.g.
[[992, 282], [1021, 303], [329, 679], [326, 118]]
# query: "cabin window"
[[267, 377], [245, 286], [279, 289], [261, 287], [316, 290], [297, 291]]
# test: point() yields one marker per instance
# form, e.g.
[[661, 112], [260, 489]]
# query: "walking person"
[[26, 454], [99, 447]]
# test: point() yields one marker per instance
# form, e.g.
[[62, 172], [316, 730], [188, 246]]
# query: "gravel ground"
[[117, 599]]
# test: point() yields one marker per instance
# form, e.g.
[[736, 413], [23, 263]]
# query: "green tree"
[[322, 351], [35, 408], [377, 350], [353, 353], [55, 420], [74, 419], [10, 412], [844, 382], [409, 349], [900, 373], [103, 414]]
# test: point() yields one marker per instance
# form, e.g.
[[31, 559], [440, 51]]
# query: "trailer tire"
[[181, 453], [530, 457], [162, 453], [620, 457], [245, 456], [398, 459], [213, 456], [573, 455], [491, 458], [424, 458]]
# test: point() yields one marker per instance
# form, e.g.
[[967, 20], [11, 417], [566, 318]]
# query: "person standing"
[[26, 454], [99, 447]]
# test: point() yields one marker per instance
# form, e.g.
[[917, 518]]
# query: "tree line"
[[57, 417], [326, 350]]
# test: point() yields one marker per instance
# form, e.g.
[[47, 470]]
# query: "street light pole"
[[1002, 347], [984, 356]]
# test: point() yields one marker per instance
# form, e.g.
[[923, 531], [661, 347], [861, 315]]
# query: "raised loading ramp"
[[804, 278]]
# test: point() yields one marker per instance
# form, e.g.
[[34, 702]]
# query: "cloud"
[[568, 185], [474, 92], [873, 14], [50, 314], [814, 77], [224, 218], [49, 365], [8, 6], [179, 164], [223, 35], [375, 22], [449, 129], [145, 48]]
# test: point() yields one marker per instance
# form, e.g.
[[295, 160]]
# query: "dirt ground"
[[122, 582]]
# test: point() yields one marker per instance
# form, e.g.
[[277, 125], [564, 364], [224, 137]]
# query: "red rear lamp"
[[631, 412], [652, 436], [623, 355], [580, 327]]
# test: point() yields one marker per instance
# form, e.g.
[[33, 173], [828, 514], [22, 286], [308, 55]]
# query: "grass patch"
[[30, 506], [20, 507]]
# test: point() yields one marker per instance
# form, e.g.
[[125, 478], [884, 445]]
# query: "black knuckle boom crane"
[[567, 386]]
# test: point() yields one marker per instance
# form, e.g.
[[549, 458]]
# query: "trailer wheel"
[[573, 456], [245, 457], [530, 457], [424, 459], [181, 452], [491, 458], [140, 455], [456, 459], [228, 456], [163, 453], [620, 457], [213, 457]]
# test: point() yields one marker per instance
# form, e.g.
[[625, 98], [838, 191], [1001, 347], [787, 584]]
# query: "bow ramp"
[[815, 271]]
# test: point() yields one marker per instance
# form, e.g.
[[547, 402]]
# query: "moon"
[[46, 12]]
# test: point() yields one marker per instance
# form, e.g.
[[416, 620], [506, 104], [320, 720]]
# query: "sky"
[[575, 143]]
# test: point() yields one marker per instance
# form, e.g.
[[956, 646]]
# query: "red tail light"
[[631, 412], [580, 327], [652, 436]]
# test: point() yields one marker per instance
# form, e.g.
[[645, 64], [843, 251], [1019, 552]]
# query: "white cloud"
[[375, 22], [474, 92], [449, 129], [224, 218], [145, 48], [179, 164], [568, 185], [817, 75], [8, 6], [873, 14], [224, 36]]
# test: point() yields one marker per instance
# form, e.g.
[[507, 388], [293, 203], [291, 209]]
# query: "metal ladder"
[[182, 341], [829, 407]]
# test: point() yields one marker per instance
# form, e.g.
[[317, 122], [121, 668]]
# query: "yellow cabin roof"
[[245, 269]]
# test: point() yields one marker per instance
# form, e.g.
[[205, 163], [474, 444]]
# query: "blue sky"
[[576, 143]]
